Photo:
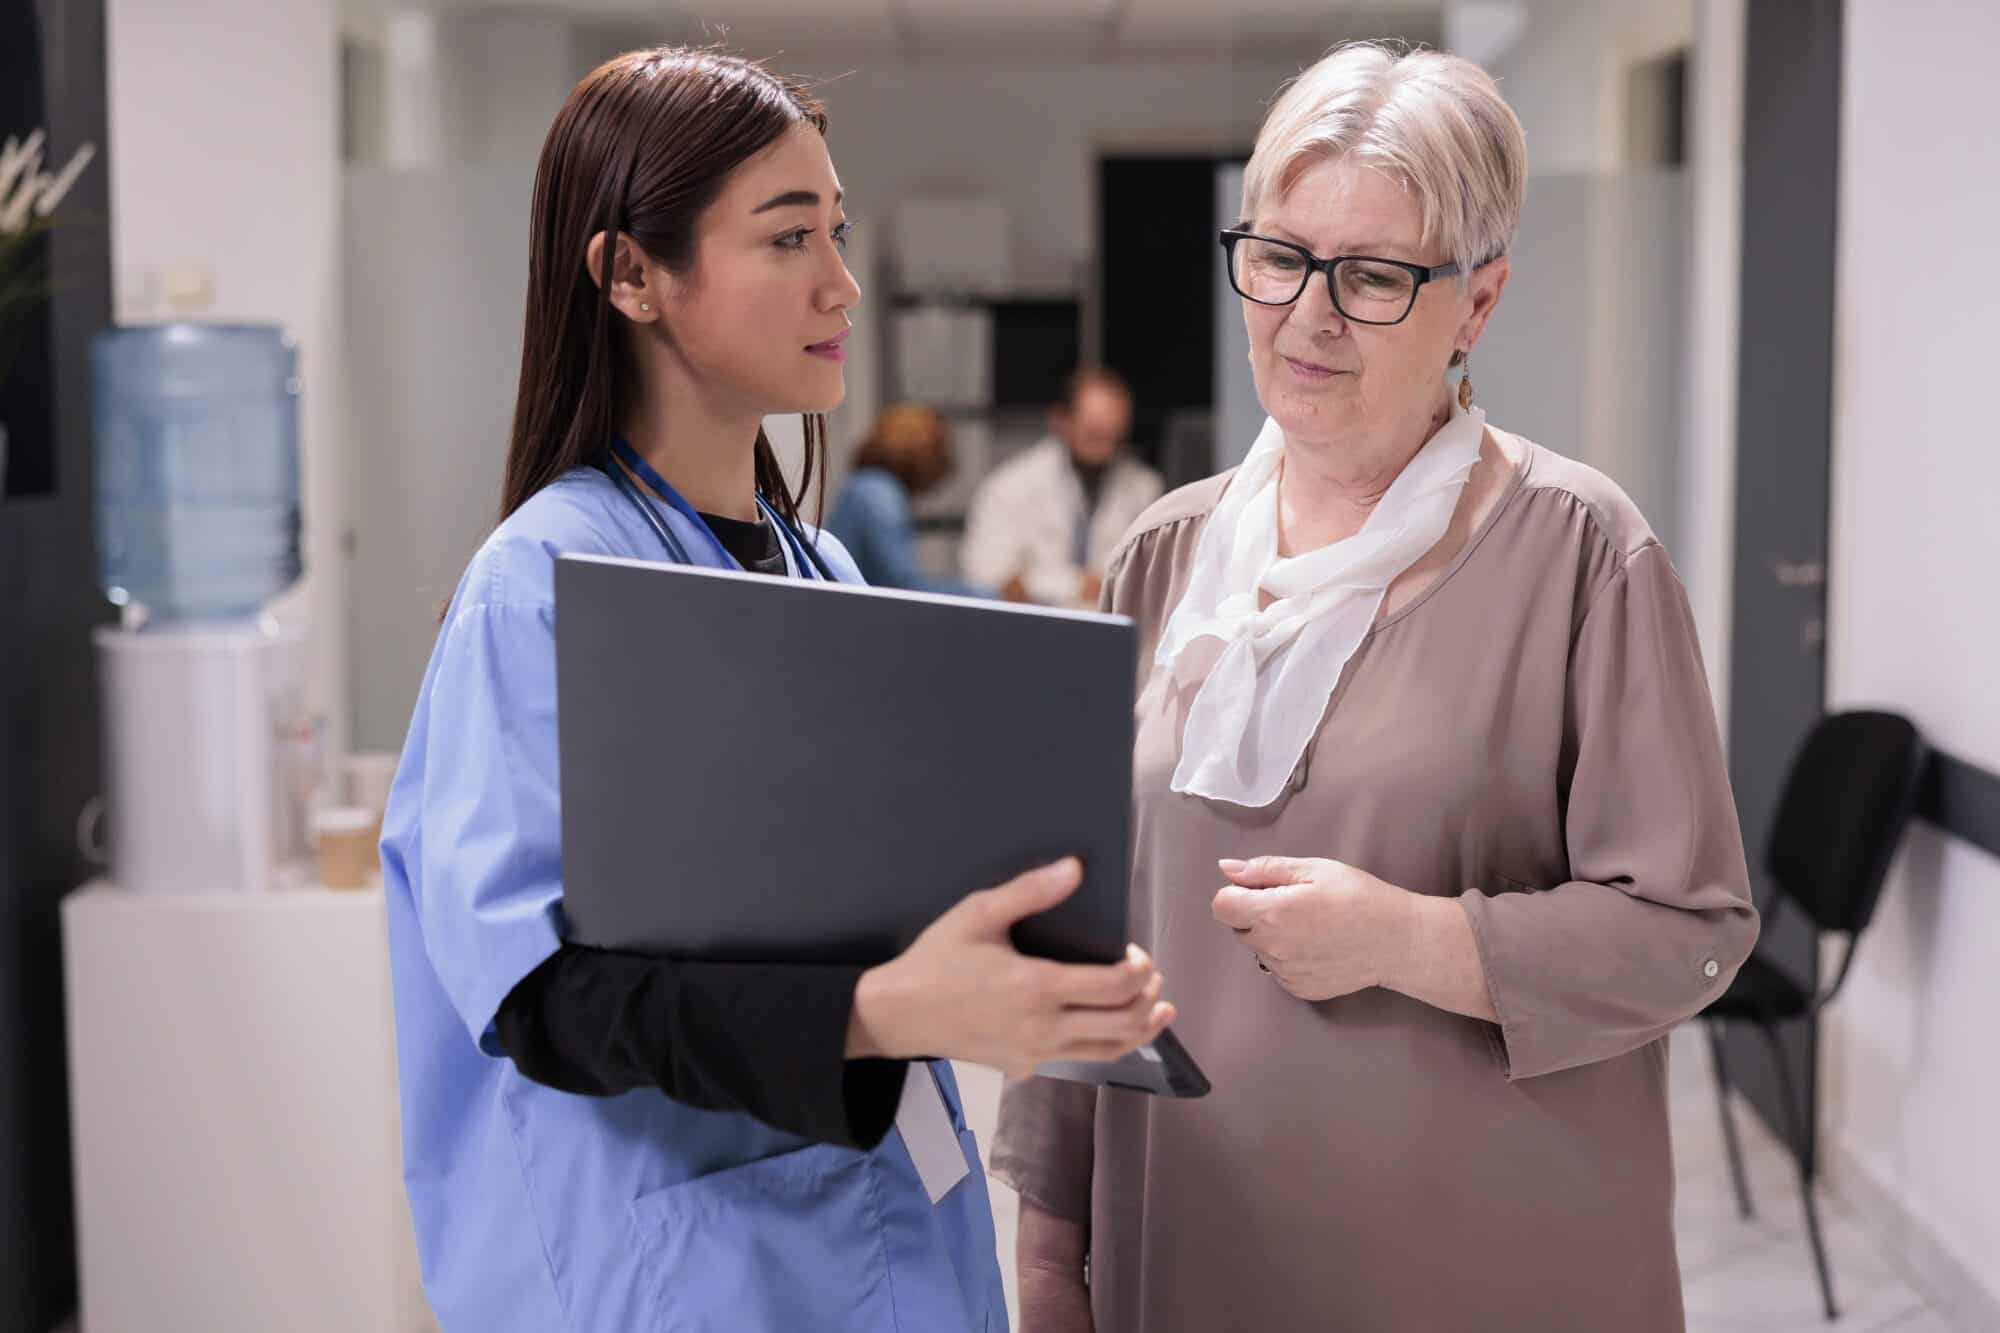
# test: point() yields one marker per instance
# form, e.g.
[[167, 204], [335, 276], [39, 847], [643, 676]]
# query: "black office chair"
[[1848, 796]]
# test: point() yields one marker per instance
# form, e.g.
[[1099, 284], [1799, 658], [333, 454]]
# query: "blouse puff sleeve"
[[1657, 916]]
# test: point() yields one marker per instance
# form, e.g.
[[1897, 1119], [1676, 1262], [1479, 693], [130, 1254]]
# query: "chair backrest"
[[1846, 801]]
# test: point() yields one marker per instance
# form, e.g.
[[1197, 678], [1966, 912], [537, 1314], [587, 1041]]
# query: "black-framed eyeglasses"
[[1364, 288]]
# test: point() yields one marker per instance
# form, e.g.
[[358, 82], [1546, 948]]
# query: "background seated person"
[[1042, 525], [907, 452]]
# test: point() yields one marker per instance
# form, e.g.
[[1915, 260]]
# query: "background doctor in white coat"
[[1043, 525]]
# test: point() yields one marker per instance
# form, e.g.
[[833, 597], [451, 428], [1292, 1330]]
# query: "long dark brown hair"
[[641, 148]]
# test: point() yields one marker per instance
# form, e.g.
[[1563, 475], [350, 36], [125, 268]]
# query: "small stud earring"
[[644, 306]]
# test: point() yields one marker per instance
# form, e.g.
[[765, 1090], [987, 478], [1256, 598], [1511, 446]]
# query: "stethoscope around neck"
[[804, 555]]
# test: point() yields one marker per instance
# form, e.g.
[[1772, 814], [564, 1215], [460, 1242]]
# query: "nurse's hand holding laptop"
[[905, 792], [963, 991]]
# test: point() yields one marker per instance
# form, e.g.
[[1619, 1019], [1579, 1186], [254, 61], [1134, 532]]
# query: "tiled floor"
[[1741, 1276], [1757, 1274]]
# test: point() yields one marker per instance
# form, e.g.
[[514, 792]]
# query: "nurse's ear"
[[637, 283]]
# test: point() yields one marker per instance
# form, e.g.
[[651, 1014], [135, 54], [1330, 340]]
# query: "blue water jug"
[[197, 447]]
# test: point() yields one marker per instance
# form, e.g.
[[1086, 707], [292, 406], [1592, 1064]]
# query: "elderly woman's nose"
[[1316, 309]]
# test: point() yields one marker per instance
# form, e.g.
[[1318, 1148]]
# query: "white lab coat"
[[1024, 516]]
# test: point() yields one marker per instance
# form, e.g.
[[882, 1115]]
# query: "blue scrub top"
[[539, 1210]]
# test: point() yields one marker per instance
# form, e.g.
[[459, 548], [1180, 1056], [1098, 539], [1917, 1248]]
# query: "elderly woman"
[[1424, 700]]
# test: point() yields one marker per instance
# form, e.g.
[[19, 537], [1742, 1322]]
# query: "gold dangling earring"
[[1465, 381]]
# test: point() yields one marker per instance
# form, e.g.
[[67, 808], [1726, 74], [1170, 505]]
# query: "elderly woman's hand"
[[1321, 928]]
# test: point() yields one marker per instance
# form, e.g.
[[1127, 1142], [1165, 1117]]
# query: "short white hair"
[[1436, 122]]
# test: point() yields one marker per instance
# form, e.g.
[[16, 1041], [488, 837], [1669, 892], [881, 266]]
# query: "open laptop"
[[776, 769]]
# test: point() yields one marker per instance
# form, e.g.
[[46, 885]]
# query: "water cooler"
[[211, 755], [234, 1130]]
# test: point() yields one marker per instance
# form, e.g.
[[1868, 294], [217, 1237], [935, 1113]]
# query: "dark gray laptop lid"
[[778, 769]]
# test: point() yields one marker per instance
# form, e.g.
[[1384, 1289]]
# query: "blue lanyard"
[[806, 560]]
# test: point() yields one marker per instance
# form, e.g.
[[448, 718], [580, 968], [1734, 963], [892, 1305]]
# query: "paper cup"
[[344, 840]]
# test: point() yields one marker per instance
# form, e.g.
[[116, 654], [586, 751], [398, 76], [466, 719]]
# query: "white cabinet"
[[233, 1114]]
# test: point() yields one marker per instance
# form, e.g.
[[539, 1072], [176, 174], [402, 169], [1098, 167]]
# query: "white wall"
[[1564, 74], [1565, 77], [1563, 71], [1585, 354], [1030, 135], [224, 129], [1914, 1089], [510, 74], [1557, 80], [436, 274]]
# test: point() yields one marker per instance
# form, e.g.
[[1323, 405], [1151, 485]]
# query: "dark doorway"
[[27, 408], [1156, 275], [51, 76], [1791, 153]]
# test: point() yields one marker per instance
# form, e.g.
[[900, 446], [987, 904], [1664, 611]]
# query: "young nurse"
[[594, 1140]]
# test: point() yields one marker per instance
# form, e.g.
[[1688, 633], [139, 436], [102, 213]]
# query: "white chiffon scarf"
[[1266, 675]]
